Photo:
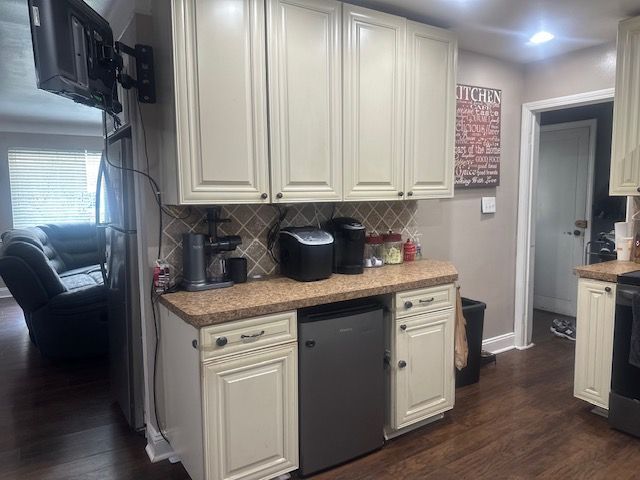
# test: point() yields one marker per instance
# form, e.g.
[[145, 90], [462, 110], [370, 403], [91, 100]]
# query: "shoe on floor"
[[566, 331]]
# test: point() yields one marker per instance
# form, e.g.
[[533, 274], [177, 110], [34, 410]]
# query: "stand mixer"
[[198, 250]]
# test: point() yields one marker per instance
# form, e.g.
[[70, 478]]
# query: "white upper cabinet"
[[305, 99], [374, 104], [430, 112], [219, 56], [625, 154]]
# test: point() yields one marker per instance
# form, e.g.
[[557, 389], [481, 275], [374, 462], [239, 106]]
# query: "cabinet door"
[[221, 105], [250, 410], [625, 153], [430, 110], [305, 99], [374, 72], [594, 341], [424, 372]]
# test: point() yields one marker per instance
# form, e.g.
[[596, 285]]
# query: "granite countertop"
[[279, 294], [606, 271]]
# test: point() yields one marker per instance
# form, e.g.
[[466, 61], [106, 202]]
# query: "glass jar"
[[393, 248], [373, 250]]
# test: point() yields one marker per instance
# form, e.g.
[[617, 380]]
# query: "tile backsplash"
[[252, 222]]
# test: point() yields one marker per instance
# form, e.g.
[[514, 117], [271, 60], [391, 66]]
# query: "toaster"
[[306, 253]]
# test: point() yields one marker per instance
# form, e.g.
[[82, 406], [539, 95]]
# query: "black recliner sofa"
[[53, 273]]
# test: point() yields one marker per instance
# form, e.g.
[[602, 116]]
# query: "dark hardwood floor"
[[521, 421]]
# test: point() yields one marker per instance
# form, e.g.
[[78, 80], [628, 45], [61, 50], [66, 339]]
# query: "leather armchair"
[[52, 272]]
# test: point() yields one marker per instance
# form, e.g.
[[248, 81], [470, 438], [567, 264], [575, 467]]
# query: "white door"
[[250, 408], [424, 371], [594, 341], [562, 198], [625, 149], [374, 73], [430, 110], [221, 112], [305, 95]]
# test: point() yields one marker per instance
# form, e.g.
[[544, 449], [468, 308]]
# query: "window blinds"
[[52, 186]]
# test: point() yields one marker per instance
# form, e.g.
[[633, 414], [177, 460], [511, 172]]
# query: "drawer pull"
[[221, 341], [607, 289], [402, 364], [428, 300], [403, 327], [408, 304], [251, 337]]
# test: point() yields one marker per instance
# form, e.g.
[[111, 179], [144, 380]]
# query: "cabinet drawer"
[[424, 300], [247, 335]]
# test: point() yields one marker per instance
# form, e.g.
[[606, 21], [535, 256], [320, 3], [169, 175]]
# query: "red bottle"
[[409, 251]]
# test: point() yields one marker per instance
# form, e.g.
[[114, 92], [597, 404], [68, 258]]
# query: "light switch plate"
[[488, 204]]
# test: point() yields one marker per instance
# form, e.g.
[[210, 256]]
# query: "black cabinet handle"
[[221, 341], [410, 194], [638, 189], [402, 364], [403, 327], [279, 195], [428, 300], [408, 304], [400, 194], [607, 289], [264, 196], [255, 335]]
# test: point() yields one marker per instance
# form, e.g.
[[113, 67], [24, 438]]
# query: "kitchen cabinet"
[[305, 95], [374, 104], [231, 396], [430, 112], [625, 153], [249, 402], [213, 94], [421, 345], [594, 341]]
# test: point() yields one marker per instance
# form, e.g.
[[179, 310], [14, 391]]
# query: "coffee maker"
[[348, 247], [198, 250]]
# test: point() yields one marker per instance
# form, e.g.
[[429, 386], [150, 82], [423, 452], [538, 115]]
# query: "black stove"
[[631, 278]]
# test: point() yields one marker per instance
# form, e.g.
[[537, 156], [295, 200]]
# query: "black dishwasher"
[[341, 383]]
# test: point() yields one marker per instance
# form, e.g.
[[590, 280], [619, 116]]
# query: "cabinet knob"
[[607, 289], [403, 327], [310, 343], [638, 189], [221, 341], [408, 304], [401, 194], [264, 196], [410, 194], [402, 364], [279, 195]]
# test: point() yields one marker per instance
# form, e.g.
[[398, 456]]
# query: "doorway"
[[573, 208]]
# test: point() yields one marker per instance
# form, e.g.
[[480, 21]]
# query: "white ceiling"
[[499, 28]]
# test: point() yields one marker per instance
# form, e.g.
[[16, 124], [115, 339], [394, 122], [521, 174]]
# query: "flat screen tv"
[[74, 52]]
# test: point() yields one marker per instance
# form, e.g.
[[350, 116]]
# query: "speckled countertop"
[[279, 294], [606, 271]]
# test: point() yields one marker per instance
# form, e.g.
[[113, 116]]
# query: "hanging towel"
[[634, 352], [461, 346]]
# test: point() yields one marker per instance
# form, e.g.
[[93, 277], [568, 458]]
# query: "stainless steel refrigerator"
[[116, 220]]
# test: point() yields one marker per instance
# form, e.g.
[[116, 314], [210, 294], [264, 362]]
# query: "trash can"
[[473, 312]]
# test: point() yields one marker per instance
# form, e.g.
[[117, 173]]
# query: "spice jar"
[[392, 248], [410, 250], [373, 250]]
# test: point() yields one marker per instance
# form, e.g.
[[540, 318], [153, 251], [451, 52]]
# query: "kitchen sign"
[[478, 113]]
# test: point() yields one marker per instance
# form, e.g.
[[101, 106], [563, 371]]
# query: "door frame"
[[529, 149], [592, 124]]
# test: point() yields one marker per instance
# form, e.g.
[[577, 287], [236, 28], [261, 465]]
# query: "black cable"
[[274, 230]]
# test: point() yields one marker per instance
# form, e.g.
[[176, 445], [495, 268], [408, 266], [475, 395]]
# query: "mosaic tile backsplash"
[[252, 222]]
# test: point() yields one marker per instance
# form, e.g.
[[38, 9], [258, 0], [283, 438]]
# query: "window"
[[52, 186]]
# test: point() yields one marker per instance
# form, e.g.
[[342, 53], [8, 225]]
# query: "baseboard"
[[500, 344], [4, 292], [157, 447]]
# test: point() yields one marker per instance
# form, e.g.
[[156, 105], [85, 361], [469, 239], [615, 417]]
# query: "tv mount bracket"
[[145, 83]]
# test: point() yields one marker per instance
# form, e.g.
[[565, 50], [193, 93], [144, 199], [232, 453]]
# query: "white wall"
[[482, 247]]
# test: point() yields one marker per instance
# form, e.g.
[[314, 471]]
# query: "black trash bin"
[[473, 312]]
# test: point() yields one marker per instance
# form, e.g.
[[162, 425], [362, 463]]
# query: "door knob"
[[402, 364]]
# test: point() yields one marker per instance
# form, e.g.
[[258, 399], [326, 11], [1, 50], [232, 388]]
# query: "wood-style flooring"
[[521, 421]]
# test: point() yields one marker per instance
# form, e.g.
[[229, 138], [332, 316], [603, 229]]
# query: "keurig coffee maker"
[[348, 247]]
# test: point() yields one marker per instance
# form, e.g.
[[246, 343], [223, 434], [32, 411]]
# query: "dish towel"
[[461, 345], [634, 352]]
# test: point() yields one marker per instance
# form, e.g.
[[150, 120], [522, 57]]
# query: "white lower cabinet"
[[250, 406], [421, 370], [594, 341]]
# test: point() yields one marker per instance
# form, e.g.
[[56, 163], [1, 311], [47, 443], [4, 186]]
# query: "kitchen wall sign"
[[478, 114]]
